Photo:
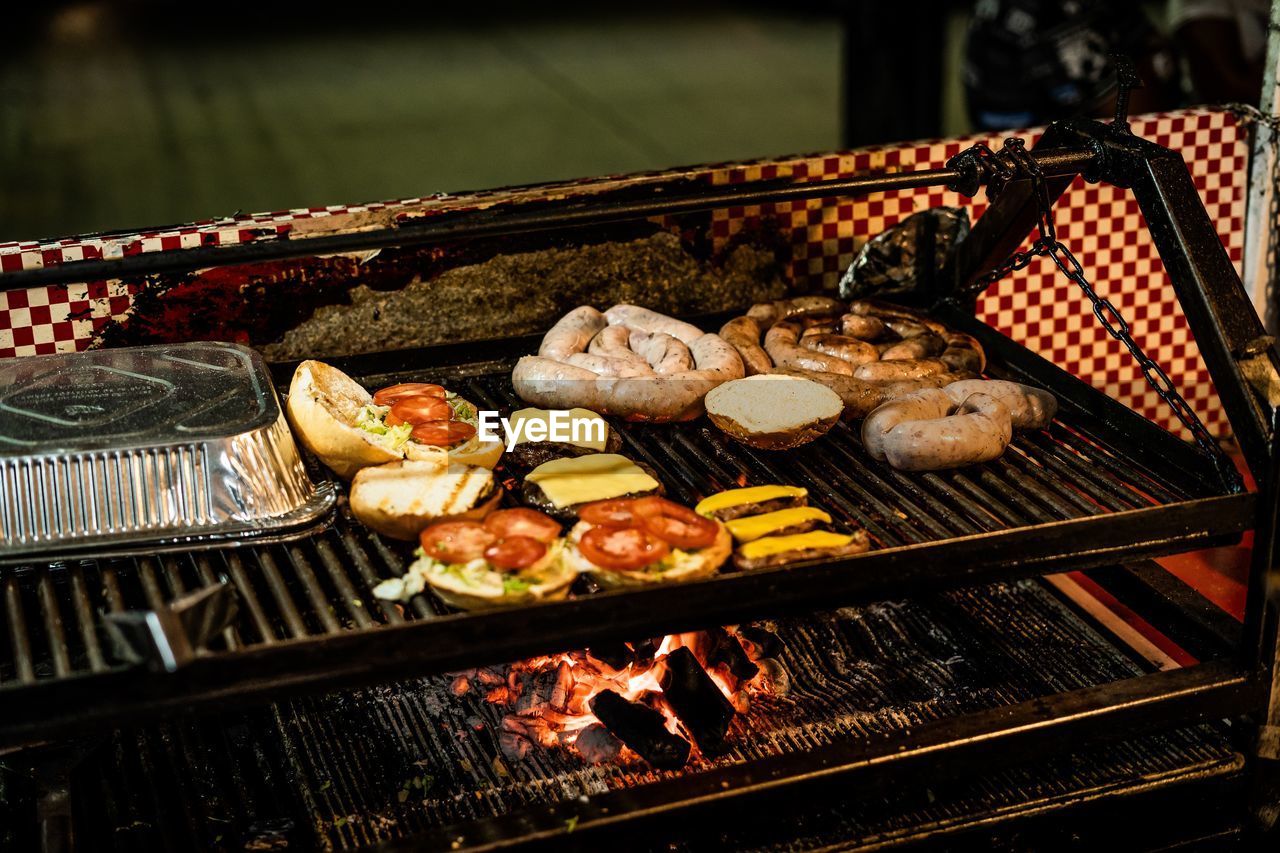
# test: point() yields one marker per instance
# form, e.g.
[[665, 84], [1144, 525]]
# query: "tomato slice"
[[523, 523], [617, 513], [418, 410], [515, 552], [622, 548], [456, 541], [392, 393], [676, 525], [442, 433]]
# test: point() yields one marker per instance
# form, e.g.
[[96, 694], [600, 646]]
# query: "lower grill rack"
[[413, 762]]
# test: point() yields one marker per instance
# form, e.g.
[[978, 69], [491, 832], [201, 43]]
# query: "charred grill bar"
[[1103, 486]]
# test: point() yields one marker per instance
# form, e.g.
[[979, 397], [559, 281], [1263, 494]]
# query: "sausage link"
[[1029, 407], [979, 431], [781, 344], [636, 317], [861, 326], [614, 342], [925, 345], [885, 371], [743, 334], [843, 347], [571, 333], [662, 352], [923, 405], [963, 352]]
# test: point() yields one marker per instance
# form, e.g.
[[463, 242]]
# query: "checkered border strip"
[[1102, 225]]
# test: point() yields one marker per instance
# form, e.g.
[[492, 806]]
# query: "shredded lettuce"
[[512, 584], [461, 410], [372, 419]]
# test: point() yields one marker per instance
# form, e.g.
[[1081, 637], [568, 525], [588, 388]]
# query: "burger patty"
[[531, 454], [531, 495]]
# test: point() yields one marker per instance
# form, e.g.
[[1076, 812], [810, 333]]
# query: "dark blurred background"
[[128, 114]]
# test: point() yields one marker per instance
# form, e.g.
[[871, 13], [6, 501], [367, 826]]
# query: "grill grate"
[[319, 588], [339, 771]]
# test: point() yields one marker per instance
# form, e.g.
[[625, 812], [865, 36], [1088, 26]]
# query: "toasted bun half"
[[691, 566], [322, 407], [400, 498], [772, 411], [549, 580]]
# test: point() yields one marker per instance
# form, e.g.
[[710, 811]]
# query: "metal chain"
[[1014, 159]]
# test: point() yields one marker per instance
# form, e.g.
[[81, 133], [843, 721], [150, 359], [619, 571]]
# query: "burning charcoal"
[[562, 690], [538, 688], [461, 686], [596, 745], [616, 655], [777, 674], [726, 649], [697, 701], [766, 641], [643, 729], [647, 648]]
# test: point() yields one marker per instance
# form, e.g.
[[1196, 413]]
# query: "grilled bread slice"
[[400, 498], [773, 412]]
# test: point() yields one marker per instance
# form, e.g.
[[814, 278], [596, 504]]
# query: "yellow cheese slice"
[[771, 545], [584, 429], [749, 495], [754, 526], [595, 477]]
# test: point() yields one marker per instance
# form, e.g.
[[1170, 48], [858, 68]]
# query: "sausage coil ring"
[[649, 387]]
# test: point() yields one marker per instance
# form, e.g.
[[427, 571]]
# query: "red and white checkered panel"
[[1101, 224], [1038, 306]]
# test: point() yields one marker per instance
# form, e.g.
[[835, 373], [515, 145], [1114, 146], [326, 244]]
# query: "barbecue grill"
[[1102, 490]]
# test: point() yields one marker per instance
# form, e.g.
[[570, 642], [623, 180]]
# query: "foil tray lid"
[[144, 446]]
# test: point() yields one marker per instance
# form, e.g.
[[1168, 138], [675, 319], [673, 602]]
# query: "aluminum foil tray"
[[119, 449]]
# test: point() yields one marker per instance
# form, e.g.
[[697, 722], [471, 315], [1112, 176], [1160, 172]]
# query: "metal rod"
[[604, 208]]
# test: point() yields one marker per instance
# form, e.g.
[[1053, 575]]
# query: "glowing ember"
[[550, 699]]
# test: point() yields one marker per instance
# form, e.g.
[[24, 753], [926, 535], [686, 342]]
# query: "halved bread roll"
[[482, 587], [774, 412], [325, 408], [400, 498]]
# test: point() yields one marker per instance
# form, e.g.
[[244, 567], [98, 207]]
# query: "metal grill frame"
[[1220, 317]]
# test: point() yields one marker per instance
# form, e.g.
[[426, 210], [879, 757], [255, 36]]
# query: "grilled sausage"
[[924, 345], [842, 347], [781, 344], [1029, 407], [862, 326], [886, 371], [963, 352], [767, 313], [924, 405], [861, 397], [614, 342], [743, 334], [662, 352], [635, 317], [888, 311], [978, 431], [571, 333], [607, 365]]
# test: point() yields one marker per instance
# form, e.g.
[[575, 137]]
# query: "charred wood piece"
[[705, 711], [642, 729], [616, 655], [725, 648]]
